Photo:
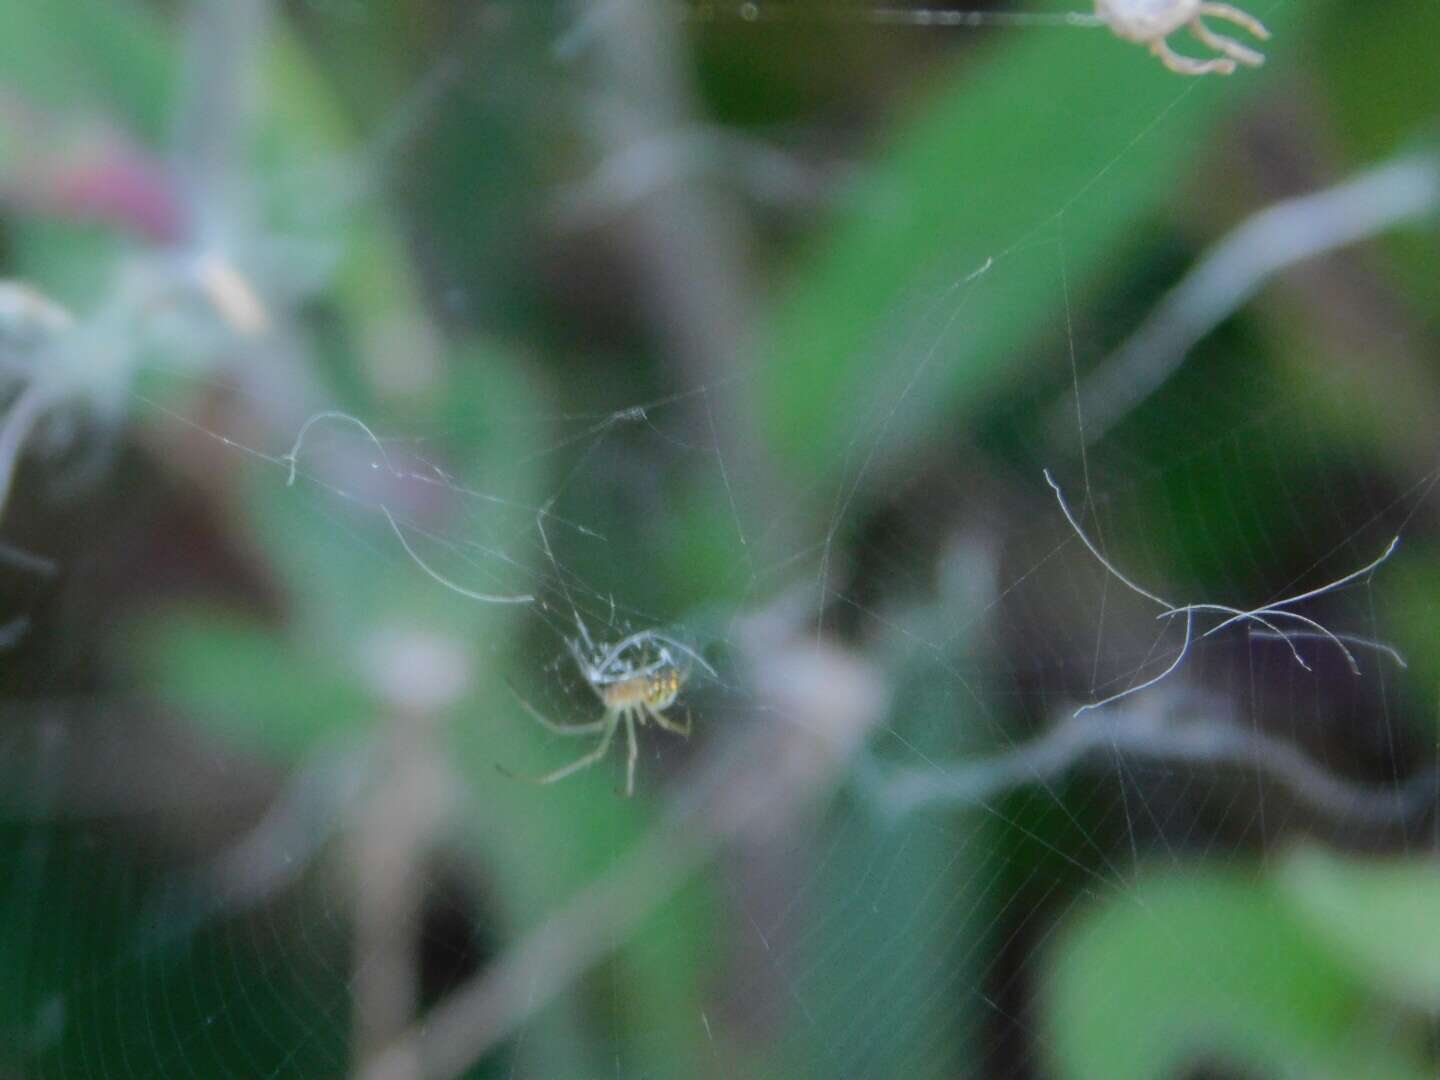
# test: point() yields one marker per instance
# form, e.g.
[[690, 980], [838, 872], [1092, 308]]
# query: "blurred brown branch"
[[816, 704]]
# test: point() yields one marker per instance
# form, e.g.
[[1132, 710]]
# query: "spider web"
[[257, 823]]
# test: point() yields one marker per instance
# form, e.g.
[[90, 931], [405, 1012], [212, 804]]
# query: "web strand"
[[885, 15]]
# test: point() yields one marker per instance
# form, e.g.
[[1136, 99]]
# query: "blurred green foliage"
[[993, 168], [1326, 967], [1046, 161]]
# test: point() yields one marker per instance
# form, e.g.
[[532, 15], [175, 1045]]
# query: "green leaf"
[[245, 685], [1208, 967], [109, 56], [1019, 166], [1382, 81], [460, 484], [1381, 84], [87, 974], [1381, 916]]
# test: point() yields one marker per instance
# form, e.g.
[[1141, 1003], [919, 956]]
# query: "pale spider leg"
[[589, 728], [1226, 45], [1227, 610], [1179, 659], [639, 636], [591, 673], [1321, 590], [1095, 551], [634, 752], [672, 726], [488, 598], [585, 633], [1350, 639], [1242, 19], [619, 673], [1323, 631], [606, 669], [612, 722], [1318, 631], [1184, 65]]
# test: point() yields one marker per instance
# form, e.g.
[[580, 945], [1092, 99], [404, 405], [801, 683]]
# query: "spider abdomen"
[[657, 690]]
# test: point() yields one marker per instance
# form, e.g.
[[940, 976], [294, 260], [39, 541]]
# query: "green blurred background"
[[754, 329]]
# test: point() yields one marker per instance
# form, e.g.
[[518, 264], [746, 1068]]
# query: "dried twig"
[[1271, 241], [1181, 729]]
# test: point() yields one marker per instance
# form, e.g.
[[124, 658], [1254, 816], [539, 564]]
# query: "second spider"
[[1151, 22]]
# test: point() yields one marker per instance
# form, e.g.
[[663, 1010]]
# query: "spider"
[[1151, 22], [634, 691]]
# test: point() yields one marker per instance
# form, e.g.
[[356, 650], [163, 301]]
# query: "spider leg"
[[1184, 65], [591, 728], [672, 726], [634, 753], [1242, 19], [579, 763], [1226, 46]]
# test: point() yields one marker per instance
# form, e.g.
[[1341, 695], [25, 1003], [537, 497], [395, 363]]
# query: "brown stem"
[[821, 701]]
